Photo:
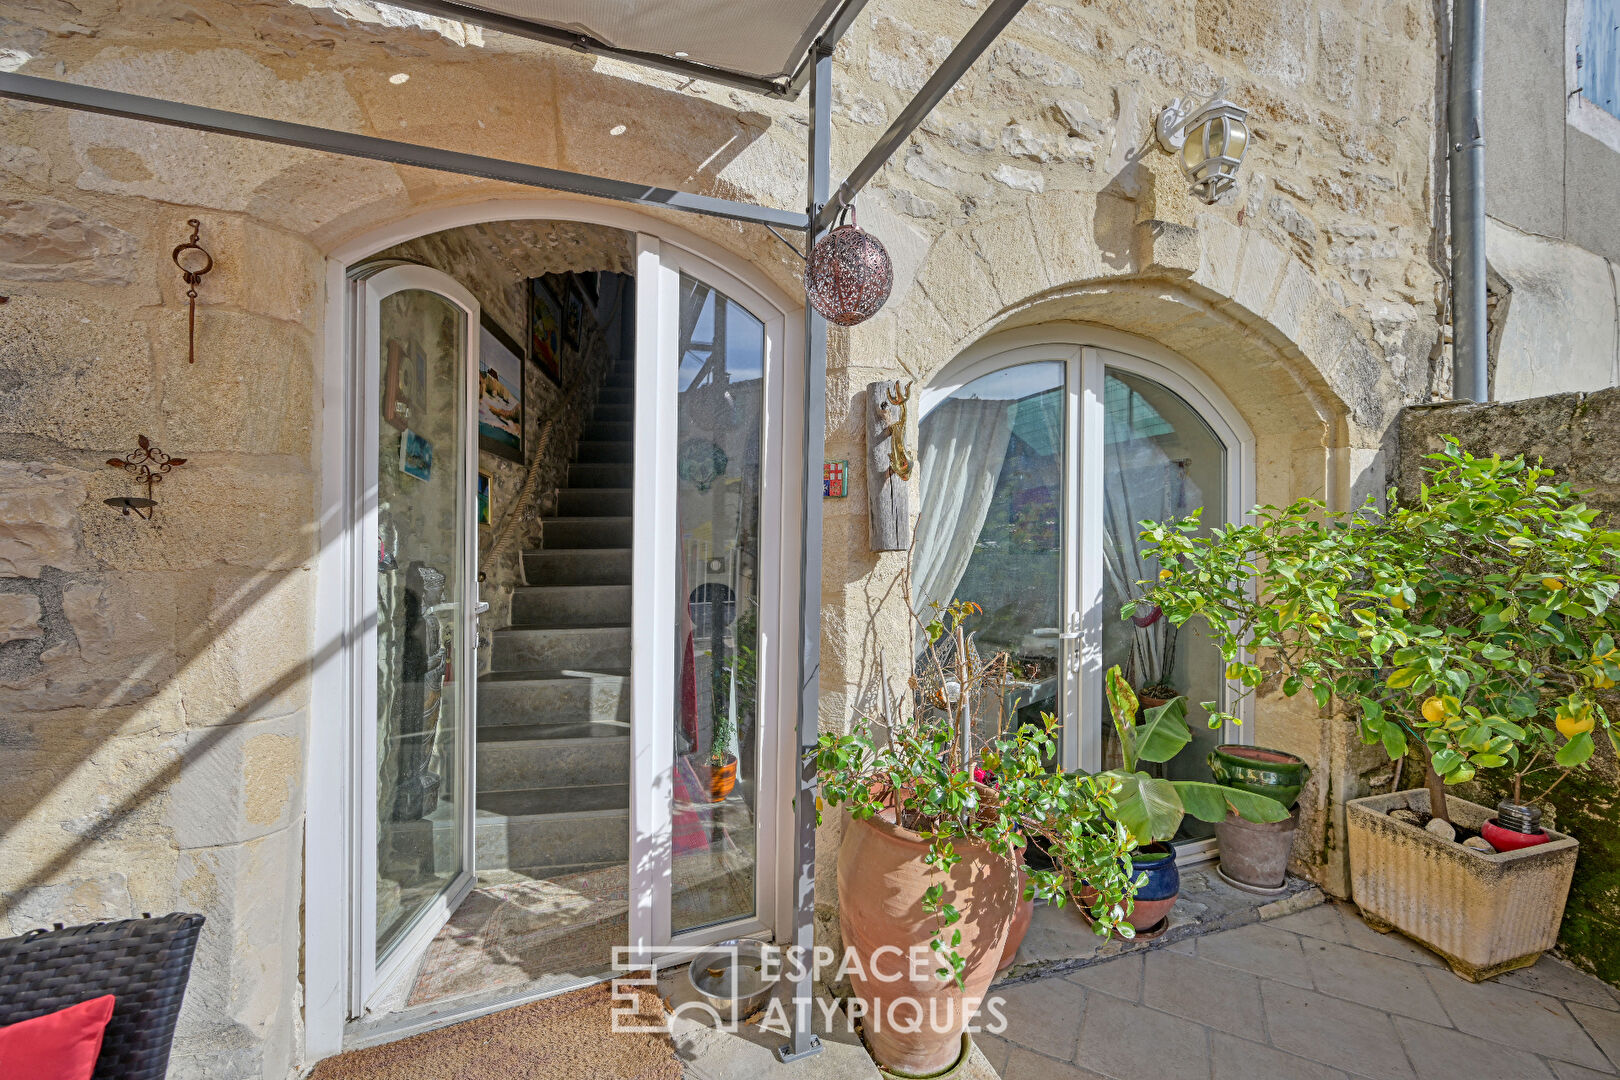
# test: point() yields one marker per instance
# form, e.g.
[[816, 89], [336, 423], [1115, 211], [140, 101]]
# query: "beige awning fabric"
[[760, 39]]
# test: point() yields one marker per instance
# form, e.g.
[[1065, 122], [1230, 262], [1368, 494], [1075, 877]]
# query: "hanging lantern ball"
[[849, 276]]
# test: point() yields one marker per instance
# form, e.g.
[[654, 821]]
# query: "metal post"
[[1465, 136], [804, 1041]]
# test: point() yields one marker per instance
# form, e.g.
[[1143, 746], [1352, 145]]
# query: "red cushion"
[[58, 1046]]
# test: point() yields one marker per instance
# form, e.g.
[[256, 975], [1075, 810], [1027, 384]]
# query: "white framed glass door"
[[1036, 465], [711, 508], [415, 353]]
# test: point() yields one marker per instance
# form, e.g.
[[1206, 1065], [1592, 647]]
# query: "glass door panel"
[[1161, 460], [719, 760], [419, 757], [990, 530]]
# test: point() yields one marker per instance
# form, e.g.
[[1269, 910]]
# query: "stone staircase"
[[554, 710]]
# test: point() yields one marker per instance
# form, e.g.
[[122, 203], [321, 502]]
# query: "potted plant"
[[1151, 808], [1254, 855], [717, 770], [1470, 627], [929, 862], [1153, 657]]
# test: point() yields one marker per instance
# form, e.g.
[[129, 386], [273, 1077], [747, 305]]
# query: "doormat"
[[570, 1035], [510, 934]]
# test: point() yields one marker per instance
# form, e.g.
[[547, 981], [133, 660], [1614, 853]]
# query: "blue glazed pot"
[[1163, 878]]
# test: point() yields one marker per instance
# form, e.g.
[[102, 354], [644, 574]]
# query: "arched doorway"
[[1039, 455], [687, 487]]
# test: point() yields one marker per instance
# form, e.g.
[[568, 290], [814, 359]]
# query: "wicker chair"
[[143, 962]]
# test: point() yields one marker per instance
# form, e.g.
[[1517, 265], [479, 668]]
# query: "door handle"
[[1071, 640]]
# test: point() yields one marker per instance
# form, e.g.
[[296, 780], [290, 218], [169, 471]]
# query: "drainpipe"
[[1465, 133]]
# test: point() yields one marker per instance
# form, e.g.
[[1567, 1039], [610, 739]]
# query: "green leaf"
[[1148, 808], [1163, 734], [1323, 695], [1210, 802], [1405, 677], [1575, 752], [1394, 741]]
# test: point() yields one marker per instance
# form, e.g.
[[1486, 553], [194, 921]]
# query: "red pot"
[[1021, 920], [1507, 839]]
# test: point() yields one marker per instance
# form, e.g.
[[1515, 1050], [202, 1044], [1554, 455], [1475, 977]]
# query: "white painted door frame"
[[660, 265], [1087, 354], [344, 614], [371, 975]]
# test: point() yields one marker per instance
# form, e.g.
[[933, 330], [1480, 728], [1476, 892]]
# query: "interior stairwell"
[[554, 709]]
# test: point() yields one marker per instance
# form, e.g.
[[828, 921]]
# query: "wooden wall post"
[[888, 465]]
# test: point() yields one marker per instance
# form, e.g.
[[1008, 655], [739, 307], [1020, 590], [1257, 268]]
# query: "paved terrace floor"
[[1315, 995]]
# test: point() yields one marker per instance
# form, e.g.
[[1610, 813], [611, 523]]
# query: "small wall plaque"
[[834, 479]]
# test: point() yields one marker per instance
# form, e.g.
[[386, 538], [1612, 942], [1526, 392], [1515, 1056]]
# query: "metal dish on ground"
[[731, 978]]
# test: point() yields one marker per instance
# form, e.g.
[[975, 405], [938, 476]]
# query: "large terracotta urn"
[[914, 1019]]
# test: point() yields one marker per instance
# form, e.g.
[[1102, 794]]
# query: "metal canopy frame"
[[823, 207]]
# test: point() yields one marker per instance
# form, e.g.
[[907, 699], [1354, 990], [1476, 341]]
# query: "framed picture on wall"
[[500, 392], [415, 456], [573, 314], [484, 483], [546, 329]]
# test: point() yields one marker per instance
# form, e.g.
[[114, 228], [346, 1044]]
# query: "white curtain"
[[1141, 482], [963, 444]]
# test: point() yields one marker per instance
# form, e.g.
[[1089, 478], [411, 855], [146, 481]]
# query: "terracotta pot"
[[881, 881], [1158, 893], [1021, 920], [719, 780], [1147, 703], [1254, 854]]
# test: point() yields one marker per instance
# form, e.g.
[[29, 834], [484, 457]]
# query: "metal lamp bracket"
[[1172, 125]]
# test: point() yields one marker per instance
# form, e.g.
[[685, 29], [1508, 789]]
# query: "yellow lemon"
[[1571, 726], [1552, 584], [1399, 602], [1434, 710], [1166, 574]]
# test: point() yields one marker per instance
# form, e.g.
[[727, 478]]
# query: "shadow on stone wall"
[[1575, 435]]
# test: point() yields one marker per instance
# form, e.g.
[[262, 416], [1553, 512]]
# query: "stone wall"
[[154, 709], [1574, 434]]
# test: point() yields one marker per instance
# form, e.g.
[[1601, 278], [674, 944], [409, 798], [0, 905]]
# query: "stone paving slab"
[[1059, 940], [1313, 994]]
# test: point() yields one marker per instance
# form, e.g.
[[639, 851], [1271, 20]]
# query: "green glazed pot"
[[1264, 772]]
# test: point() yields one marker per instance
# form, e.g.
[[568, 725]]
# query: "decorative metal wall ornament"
[[1210, 141], [147, 465], [193, 262], [848, 276]]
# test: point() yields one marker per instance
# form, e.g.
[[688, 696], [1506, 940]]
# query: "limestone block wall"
[[154, 709], [1574, 434]]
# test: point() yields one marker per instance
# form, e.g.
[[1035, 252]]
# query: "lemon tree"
[[1474, 622]]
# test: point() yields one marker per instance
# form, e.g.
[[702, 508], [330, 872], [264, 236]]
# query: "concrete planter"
[[1484, 913]]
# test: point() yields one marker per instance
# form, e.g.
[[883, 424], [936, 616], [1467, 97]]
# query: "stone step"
[[616, 395], [527, 698], [613, 414], [595, 502], [588, 532], [595, 475], [516, 757], [553, 827], [608, 430], [601, 452], [520, 648], [577, 566], [570, 605]]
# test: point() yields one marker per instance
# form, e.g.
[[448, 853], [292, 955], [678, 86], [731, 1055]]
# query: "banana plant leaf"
[[1151, 808], [1163, 733]]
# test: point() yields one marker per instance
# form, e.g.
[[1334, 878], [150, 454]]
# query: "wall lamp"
[[1209, 139]]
